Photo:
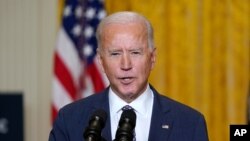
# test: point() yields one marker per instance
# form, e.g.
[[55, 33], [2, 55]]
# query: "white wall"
[[27, 39]]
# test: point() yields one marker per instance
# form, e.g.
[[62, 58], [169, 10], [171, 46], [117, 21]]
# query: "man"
[[127, 55]]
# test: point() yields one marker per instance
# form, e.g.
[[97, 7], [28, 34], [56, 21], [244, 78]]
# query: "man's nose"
[[126, 63]]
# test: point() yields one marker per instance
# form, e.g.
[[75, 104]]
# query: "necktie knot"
[[127, 107]]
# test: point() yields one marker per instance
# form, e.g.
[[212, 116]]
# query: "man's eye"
[[114, 53], [136, 52]]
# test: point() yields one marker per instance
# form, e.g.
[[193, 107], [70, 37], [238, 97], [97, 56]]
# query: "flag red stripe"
[[96, 77], [54, 112], [65, 77]]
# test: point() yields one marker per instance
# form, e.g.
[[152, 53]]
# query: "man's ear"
[[99, 59], [153, 58]]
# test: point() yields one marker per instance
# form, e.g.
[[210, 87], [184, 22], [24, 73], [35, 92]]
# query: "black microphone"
[[126, 126], [96, 124]]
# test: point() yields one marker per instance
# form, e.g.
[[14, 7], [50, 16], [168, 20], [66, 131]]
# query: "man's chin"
[[127, 93]]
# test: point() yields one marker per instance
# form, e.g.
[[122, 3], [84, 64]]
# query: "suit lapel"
[[161, 123], [104, 104]]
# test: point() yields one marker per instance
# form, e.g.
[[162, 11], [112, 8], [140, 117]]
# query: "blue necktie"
[[127, 107]]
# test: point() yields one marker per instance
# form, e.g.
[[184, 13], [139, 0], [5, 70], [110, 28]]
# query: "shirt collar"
[[140, 104]]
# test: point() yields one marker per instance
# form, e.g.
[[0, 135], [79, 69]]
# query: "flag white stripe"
[[89, 88], [67, 52], [60, 95]]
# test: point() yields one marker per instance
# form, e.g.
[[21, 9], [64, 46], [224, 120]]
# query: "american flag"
[[76, 73]]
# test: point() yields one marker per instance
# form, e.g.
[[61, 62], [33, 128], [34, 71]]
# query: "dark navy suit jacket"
[[171, 120]]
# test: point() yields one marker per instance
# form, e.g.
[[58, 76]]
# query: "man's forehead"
[[114, 25]]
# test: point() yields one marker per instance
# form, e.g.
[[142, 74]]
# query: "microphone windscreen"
[[96, 124], [101, 114], [130, 116]]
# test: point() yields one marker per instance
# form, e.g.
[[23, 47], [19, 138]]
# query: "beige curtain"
[[202, 55]]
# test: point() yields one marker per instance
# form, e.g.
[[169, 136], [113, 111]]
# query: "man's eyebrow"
[[113, 49], [136, 49], [120, 50]]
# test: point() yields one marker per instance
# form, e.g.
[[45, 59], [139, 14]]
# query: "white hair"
[[125, 17]]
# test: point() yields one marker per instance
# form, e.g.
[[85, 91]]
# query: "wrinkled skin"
[[126, 58]]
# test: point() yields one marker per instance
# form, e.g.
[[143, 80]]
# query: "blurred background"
[[203, 57]]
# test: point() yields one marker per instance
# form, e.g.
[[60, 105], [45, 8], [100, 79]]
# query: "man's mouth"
[[126, 80]]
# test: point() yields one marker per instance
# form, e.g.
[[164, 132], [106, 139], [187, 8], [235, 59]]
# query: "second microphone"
[[126, 127]]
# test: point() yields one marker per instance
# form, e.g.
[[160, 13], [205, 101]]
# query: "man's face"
[[126, 58]]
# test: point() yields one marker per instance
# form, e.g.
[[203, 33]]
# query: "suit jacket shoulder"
[[174, 121], [177, 108], [73, 118]]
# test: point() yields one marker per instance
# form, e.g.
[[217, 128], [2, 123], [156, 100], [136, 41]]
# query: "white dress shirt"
[[143, 106]]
